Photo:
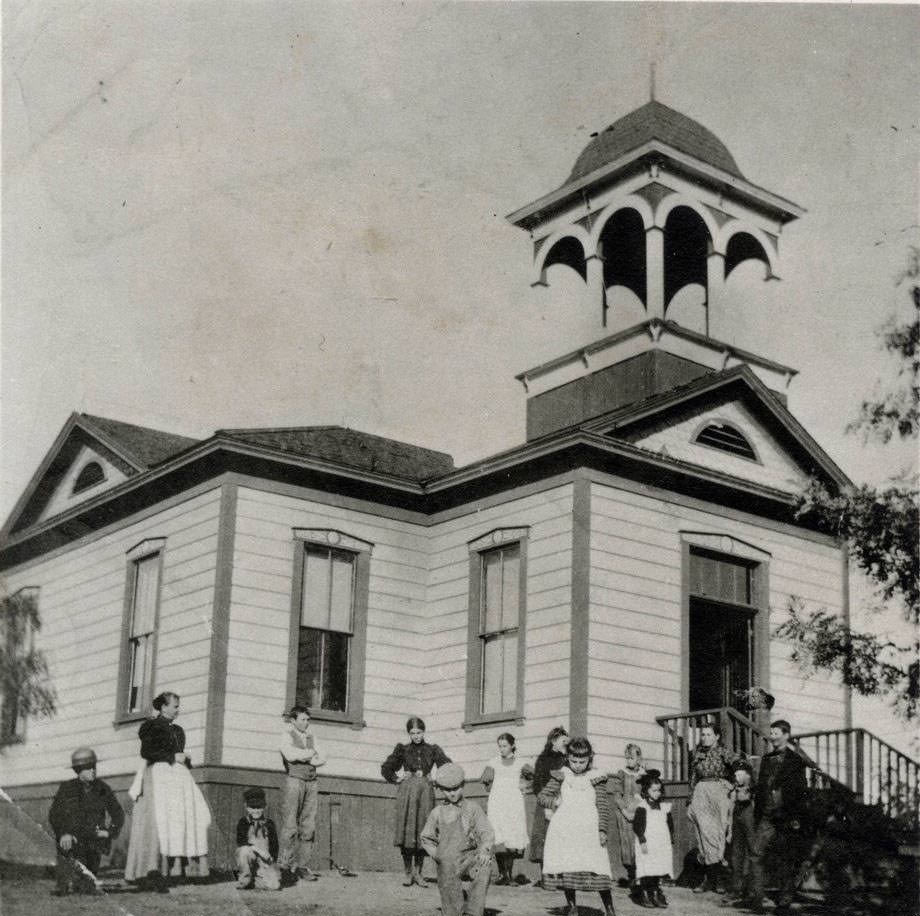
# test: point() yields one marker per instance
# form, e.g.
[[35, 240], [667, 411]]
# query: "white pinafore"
[[506, 811], [659, 860], [572, 842]]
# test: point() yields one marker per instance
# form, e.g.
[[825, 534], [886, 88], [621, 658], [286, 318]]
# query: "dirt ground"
[[370, 894]]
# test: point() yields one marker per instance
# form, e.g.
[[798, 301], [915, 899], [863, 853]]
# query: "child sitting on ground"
[[575, 855], [654, 830], [459, 839], [257, 846]]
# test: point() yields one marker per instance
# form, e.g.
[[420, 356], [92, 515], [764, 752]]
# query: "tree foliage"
[[881, 528], [26, 689]]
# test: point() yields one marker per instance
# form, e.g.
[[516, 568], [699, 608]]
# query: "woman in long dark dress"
[[552, 757], [409, 769]]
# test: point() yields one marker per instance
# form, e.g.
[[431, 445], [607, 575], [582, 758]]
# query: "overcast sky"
[[224, 214]]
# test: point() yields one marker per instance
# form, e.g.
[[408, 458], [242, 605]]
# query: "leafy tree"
[[24, 686], [881, 527]]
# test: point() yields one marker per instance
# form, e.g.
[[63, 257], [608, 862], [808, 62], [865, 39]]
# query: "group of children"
[[458, 835]]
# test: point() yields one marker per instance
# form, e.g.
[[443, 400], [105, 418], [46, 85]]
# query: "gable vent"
[[727, 439], [89, 477]]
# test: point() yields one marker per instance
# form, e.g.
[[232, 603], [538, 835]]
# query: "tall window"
[[326, 627], [329, 623], [141, 616], [495, 675], [499, 615], [17, 635]]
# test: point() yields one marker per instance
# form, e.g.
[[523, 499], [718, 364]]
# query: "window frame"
[[495, 539], [331, 538], [150, 547], [19, 736]]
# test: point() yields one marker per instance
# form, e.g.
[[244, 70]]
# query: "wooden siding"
[[81, 602], [635, 652], [549, 595], [260, 615], [774, 468]]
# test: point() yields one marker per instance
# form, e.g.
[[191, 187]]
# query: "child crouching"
[[257, 846], [575, 855], [459, 839], [654, 828]]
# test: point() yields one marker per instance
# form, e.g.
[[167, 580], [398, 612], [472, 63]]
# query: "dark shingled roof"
[[146, 446], [654, 121], [350, 447]]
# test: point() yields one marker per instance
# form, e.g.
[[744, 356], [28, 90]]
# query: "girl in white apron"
[[653, 829]]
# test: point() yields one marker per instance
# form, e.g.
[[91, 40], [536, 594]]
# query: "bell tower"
[[654, 204]]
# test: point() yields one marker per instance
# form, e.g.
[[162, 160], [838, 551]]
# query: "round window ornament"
[[728, 545], [333, 537]]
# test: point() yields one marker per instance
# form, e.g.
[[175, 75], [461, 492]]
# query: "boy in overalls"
[[459, 839]]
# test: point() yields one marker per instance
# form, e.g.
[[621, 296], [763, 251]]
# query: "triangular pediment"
[[90, 456], [731, 423]]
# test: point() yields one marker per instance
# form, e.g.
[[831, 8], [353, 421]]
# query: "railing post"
[[860, 786]]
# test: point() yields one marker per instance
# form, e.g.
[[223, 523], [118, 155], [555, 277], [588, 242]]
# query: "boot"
[[707, 883], [645, 898], [659, 897]]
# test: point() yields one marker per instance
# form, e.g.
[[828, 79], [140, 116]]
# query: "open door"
[[721, 654]]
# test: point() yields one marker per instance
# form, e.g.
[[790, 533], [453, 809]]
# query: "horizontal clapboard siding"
[[81, 603], [260, 616], [549, 595], [635, 652]]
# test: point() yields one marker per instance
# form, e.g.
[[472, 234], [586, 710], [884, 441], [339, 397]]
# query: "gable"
[[675, 434], [78, 483]]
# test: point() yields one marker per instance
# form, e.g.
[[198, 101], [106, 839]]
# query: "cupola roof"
[[654, 121]]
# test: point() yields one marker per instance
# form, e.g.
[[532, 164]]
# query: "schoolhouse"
[[621, 571]]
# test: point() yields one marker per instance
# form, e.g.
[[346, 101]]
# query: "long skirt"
[[538, 834], [708, 812], [414, 801], [170, 821]]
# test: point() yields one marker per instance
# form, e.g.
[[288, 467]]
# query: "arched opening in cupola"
[[622, 246], [686, 246], [567, 251], [742, 246]]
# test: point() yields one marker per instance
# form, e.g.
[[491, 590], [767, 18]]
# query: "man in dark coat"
[[85, 817], [779, 802]]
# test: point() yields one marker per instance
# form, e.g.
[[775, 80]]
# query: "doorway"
[[721, 653]]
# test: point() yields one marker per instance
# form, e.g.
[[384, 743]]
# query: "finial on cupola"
[[651, 81]]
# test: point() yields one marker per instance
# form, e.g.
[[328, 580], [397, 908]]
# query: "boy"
[[459, 838], [300, 757], [741, 834], [257, 846], [78, 819]]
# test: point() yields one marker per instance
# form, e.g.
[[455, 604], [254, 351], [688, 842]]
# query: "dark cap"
[[255, 798]]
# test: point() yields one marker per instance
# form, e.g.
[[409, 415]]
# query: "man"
[[779, 800], [459, 838], [78, 818], [299, 795]]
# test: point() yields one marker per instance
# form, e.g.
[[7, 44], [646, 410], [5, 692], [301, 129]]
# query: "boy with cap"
[[81, 828], [257, 846], [459, 838]]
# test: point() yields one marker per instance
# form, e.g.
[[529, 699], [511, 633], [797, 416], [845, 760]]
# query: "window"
[[727, 439], [329, 621], [142, 599], [17, 637], [91, 474], [495, 668]]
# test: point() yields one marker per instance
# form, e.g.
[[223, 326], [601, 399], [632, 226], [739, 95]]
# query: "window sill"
[[496, 718], [353, 721], [126, 718]]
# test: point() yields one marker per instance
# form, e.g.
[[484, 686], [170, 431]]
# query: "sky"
[[220, 214]]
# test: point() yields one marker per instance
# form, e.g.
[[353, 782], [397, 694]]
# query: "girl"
[[625, 793], [507, 779], [410, 767], [552, 757], [653, 829], [709, 812], [575, 855]]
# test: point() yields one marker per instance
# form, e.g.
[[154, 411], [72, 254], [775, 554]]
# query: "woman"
[[507, 779], [710, 771], [552, 757], [170, 820], [409, 768]]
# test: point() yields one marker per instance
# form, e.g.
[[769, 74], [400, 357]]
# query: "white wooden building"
[[628, 562]]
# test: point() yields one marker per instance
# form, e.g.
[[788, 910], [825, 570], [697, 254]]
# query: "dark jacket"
[[411, 758], [242, 834], [161, 740], [781, 786], [79, 809]]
